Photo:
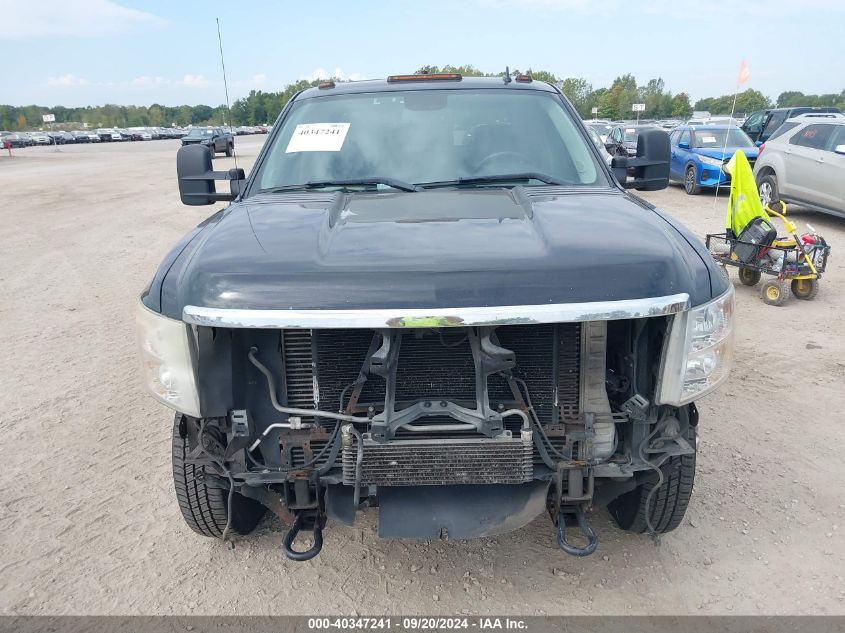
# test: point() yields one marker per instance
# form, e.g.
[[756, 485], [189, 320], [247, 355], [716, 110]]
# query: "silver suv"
[[803, 163]]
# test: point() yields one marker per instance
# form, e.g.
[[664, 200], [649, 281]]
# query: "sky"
[[131, 52]]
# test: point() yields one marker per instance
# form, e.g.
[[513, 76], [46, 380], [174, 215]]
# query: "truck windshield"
[[196, 132], [423, 138]]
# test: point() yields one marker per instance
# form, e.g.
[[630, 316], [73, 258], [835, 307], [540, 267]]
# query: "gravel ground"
[[88, 519]]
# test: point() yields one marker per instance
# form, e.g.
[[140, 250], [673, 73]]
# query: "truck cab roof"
[[426, 82]]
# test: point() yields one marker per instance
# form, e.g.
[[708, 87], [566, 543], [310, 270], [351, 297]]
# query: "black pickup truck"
[[432, 296], [215, 138]]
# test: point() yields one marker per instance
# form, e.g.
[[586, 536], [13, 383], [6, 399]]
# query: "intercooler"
[[426, 462]]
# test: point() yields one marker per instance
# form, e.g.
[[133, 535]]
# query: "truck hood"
[[434, 249]]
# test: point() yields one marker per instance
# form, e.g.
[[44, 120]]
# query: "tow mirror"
[[651, 165], [196, 177]]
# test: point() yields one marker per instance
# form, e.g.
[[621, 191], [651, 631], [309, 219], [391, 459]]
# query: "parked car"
[[14, 139], [759, 125], [81, 136], [109, 135], [699, 151], [596, 139], [41, 138], [216, 138], [62, 137], [139, 134], [442, 302], [602, 129], [803, 163], [622, 140]]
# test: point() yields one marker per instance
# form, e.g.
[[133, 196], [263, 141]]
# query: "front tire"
[[774, 293], [668, 504], [230, 149], [691, 181], [204, 508]]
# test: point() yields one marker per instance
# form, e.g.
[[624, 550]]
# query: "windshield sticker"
[[317, 137], [708, 139]]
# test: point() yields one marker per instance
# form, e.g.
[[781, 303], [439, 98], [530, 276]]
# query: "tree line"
[[261, 107]]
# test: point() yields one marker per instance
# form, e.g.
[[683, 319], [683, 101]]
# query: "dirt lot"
[[88, 518]]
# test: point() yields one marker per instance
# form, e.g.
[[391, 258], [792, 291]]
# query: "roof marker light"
[[428, 77]]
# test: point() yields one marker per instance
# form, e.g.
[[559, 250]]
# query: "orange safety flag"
[[742, 77]]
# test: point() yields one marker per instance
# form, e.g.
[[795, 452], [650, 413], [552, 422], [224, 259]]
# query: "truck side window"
[[755, 123], [774, 122]]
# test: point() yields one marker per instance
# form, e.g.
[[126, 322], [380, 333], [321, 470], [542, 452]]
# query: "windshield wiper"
[[499, 178], [320, 184]]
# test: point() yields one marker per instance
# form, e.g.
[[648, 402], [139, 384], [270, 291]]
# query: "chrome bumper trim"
[[437, 317]]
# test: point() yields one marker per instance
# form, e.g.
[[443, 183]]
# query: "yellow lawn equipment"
[[750, 242]]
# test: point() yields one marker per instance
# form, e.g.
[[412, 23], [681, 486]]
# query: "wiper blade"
[[482, 180], [320, 184]]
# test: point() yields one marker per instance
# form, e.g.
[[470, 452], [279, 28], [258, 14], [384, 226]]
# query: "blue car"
[[699, 151]]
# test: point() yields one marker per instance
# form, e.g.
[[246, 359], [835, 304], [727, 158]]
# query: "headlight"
[[698, 356], [166, 361], [713, 162]]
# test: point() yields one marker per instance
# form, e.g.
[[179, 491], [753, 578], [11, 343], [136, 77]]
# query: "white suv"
[[803, 163]]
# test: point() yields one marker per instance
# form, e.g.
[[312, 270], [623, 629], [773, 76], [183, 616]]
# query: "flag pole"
[[740, 79]]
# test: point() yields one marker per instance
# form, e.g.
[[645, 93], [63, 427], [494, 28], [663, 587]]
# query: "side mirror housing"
[[839, 149], [683, 145], [196, 177], [651, 166], [619, 167]]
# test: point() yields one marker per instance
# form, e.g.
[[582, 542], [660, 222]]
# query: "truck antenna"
[[226, 88]]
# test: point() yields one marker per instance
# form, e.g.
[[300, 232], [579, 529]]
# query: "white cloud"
[[52, 18], [194, 81], [322, 73], [259, 79], [148, 82], [67, 80]]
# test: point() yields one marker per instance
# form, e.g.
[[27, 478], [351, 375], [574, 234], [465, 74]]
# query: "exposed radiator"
[[547, 358], [430, 462]]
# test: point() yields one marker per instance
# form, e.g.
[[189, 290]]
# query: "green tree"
[[681, 106], [580, 93], [751, 100]]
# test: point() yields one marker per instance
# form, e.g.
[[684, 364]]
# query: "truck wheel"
[[773, 293], [805, 289], [230, 149], [667, 505], [691, 181], [749, 276], [203, 508]]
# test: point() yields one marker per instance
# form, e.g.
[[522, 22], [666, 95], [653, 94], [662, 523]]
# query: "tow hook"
[[575, 515], [304, 521]]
